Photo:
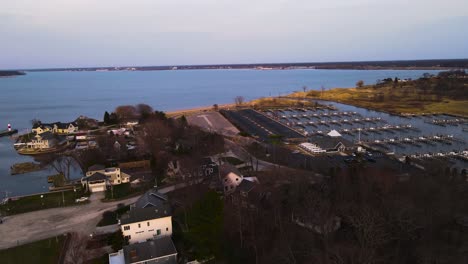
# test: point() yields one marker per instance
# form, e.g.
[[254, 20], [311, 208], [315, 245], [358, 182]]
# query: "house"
[[65, 128], [57, 128], [230, 178], [97, 182], [330, 144], [160, 251], [114, 175], [43, 140], [40, 128], [149, 218]]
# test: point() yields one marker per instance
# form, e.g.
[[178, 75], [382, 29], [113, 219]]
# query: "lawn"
[[404, 100], [39, 202], [125, 190], [43, 251], [110, 217]]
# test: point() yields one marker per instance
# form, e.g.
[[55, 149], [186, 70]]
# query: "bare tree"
[[61, 163], [144, 110], [359, 83], [126, 112], [239, 100]]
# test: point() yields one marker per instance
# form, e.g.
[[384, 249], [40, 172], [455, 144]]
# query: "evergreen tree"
[[106, 118]]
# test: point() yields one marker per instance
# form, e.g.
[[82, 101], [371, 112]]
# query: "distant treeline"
[[10, 73], [363, 65]]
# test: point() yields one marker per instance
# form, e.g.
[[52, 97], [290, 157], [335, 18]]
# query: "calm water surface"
[[63, 96]]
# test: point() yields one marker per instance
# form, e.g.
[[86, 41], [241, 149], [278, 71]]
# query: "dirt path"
[[29, 227]]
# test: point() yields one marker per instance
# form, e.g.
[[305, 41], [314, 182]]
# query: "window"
[[128, 237], [148, 223], [158, 232], [139, 225], [126, 227], [167, 228]]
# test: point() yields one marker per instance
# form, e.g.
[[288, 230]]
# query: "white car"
[[82, 199]]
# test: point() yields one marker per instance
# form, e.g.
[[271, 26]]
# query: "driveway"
[[29, 227]]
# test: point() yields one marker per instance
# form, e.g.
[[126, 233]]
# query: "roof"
[[64, 125], [245, 186], [152, 249], [226, 168], [96, 177], [143, 214], [334, 133], [42, 125], [327, 142], [47, 135], [96, 167], [151, 198]]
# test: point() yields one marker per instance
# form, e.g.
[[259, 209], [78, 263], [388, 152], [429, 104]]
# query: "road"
[[29, 227]]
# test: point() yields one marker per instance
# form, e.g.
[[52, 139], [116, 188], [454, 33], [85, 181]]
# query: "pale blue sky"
[[80, 33]]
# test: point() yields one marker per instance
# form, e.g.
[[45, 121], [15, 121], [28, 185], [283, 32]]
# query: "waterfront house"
[[149, 218], [161, 251], [57, 128], [65, 128], [113, 174], [44, 140], [40, 128]]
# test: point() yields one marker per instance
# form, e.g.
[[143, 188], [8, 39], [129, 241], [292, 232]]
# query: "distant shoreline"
[[436, 64], [5, 74]]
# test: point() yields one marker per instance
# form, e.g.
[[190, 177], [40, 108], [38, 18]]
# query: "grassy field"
[[36, 202], [405, 100], [43, 251], [124, 191], [279, 102]]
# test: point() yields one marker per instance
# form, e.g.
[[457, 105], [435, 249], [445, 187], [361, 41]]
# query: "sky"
[[86, 33]]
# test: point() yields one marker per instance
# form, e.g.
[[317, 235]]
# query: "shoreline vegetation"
[[442, 93]]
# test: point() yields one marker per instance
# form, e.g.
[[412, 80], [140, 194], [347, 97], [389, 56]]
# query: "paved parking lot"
[[259, 125], [213, 121]]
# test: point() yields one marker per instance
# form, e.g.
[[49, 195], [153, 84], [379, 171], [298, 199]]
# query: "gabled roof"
[[245, 186], [96, 177], [227, 168], [42, 125], [143, 214], [152, 249], [151, 198], [327, 142], [334, 133], [61, 125]]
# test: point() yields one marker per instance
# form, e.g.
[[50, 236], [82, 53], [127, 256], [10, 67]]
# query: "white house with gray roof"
[[149, 218]]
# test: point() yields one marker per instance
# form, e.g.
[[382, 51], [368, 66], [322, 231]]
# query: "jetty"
[[8, 132]]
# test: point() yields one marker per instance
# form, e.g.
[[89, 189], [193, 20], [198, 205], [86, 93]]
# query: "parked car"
[[82, 199]]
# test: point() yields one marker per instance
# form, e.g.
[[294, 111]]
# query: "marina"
[[418, 136]]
